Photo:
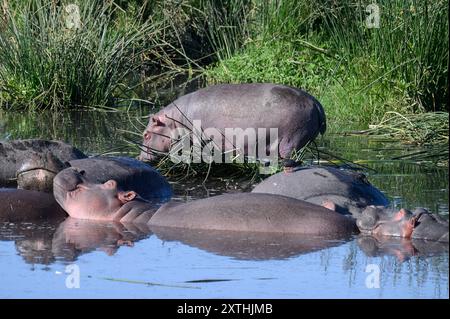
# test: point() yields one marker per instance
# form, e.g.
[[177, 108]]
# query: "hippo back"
[[253, 105], [129, 173], [18, 205], [249, 212], [350, 191]]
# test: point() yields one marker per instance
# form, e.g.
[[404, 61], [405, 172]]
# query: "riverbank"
[[361, 61]]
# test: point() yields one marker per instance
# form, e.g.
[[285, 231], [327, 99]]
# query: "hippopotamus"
[[18, 205], [84, 199], [241, 212], [297, 115], [32, 164], [251, 212], [129, 173], [420, 224], [237, 212], [347, 192]]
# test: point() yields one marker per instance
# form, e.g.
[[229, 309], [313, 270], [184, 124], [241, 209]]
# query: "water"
[[121, 261]]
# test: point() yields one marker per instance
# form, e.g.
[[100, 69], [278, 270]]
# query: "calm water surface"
[[122, 261]]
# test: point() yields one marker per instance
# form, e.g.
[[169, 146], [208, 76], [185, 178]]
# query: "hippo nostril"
[[82, 172]]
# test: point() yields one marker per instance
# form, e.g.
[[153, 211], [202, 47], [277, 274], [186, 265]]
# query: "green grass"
[[419, 129], [357, 73], [47, 63]]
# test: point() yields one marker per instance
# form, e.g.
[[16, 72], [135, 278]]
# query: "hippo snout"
[[66, 181]]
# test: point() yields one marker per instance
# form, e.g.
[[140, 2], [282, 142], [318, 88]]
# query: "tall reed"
[[55, 54]]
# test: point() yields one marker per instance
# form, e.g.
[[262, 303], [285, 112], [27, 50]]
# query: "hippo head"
[[157, 138], [375, 221], [38, 171], [83, 199]]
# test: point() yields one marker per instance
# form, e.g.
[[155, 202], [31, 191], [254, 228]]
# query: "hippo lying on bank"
[[32, 164], [298, 116], [344, 191]]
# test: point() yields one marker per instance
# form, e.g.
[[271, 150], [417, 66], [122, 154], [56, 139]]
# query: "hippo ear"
[[158, 121], [126, 197], [329, 204]]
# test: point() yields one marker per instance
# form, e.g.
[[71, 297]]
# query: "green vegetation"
[[61, 54], [420, 129], [358, 73], [55, 57], [51, 60]]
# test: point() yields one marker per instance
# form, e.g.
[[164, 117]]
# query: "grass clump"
[[420, 129], [59, 54], [358, 73]]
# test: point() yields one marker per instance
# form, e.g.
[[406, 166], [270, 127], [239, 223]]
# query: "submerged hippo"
[[418, 225], [104, 174], [129, 173], [84, 199], [18, 205], [32, 164], [245, 212], [233, 212], [298, 116], [344, 191], [249, 212]]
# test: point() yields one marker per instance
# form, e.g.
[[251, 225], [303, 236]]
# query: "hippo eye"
[[147, 135]]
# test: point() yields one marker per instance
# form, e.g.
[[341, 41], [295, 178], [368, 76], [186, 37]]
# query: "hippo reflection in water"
[[50, 240], [247, 212], [45, 242]]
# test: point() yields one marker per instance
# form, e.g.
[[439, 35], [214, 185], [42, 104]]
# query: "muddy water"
[[114, 260]]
